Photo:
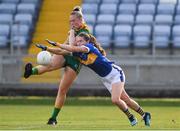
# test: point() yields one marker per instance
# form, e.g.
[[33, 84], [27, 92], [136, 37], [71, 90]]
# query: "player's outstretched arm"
[[56, 51], [72, 48]]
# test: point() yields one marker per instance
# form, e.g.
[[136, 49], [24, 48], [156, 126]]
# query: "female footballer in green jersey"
[[71, 64]]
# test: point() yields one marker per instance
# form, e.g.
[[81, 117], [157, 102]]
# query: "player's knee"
[[51, 67], [115, 100], [56, 62], [127, 100], [63, 91], [47, 68]]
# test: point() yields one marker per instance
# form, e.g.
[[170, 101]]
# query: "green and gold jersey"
[[84, 29], [72, 61]]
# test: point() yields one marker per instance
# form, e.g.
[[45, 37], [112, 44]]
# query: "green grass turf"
[[85, 113]]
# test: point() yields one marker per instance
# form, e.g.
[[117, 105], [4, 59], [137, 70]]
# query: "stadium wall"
[[145, 77]]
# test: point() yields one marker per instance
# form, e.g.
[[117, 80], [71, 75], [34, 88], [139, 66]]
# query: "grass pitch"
[[85, 113]]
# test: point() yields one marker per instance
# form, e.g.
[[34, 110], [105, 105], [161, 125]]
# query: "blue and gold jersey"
[[94, 60]]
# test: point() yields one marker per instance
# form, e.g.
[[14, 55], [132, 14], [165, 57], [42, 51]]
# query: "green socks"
[[34, 71], [55, 113]]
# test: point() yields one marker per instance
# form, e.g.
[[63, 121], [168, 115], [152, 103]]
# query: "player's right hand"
[[43, 47], [51, 42]]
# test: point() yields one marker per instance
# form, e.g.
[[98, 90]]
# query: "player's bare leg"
[[64, 86], [117, 89], [136, 107], [56, 63], [129, 101]]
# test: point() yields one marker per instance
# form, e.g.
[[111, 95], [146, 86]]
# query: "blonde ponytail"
[[77, 8]]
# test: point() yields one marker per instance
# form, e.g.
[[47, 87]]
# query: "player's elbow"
[[72, 49]]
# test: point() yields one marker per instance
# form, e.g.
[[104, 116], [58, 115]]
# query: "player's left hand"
[[43, 47]]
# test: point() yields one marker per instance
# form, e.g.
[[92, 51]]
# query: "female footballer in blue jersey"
[[112, 75]]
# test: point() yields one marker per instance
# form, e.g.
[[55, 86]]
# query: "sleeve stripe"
[[86, 48]]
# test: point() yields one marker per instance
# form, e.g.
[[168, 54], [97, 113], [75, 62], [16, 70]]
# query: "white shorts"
[[116, 75]]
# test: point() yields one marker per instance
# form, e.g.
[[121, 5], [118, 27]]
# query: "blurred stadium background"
[[142, 36]]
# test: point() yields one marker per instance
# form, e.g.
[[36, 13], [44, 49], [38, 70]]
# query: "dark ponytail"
[[92, 39], [97, 45]]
